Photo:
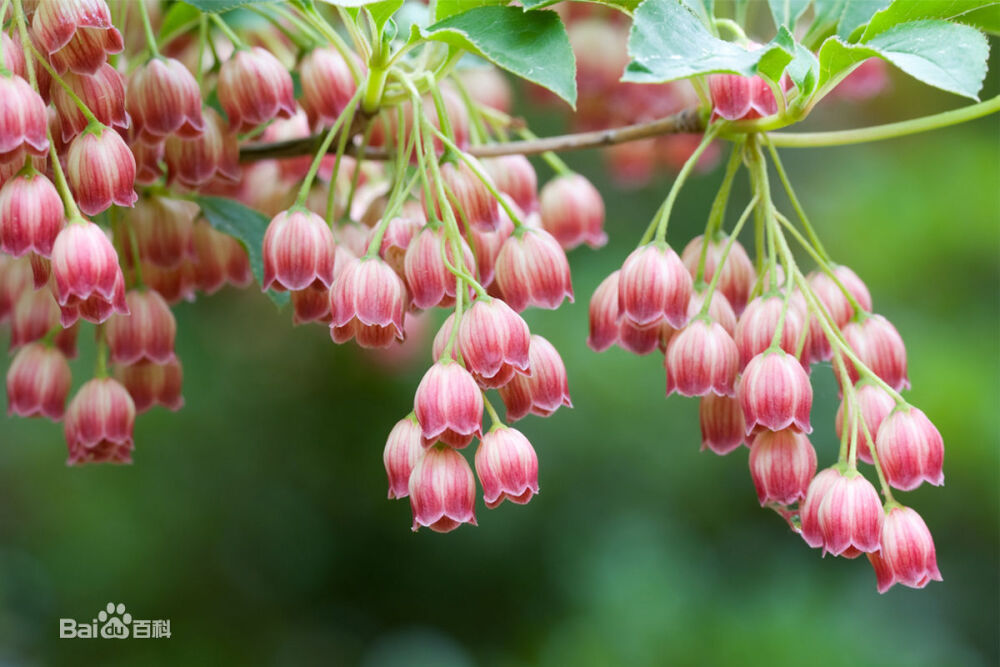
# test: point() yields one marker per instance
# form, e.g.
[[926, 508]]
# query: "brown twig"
[[686, 121]]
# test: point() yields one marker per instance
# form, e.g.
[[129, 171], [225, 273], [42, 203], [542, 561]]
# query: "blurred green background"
[[256, 521]]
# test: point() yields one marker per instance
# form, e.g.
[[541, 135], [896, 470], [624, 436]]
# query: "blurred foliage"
[[255, 519]]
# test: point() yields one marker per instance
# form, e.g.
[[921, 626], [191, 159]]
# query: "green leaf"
[[245, 225], [985, 18], [627, 6], [703, 9], [668, 42], [445, 8], [856, 14], [382, 11], [787, 12], [906, 11], [220, 6], [531, 45], [804, 71], [180, 17], [350, 3], [945, 55]]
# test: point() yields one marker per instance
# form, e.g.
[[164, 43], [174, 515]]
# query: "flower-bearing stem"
[[718, 211], [877, 464], [228, 32], [668, 204], [495, 420], [84, 109], [72, 211], [761, 185], [810, 231], [440, 106], [101, 366], [147, 28], [725, 254], [479, 132], [346, 117]]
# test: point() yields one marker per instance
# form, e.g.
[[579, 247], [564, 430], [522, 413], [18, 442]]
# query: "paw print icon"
[[114, 621]]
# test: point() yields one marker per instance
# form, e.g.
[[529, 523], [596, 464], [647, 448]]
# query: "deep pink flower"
[[430, 281], [473, 205], [756, 327], [875, 404], [881, 348], [152, 384], [775, 393], [396, 240], [487, 246], [654, 286], [212, 154], [573, 212], [146, 333], [15, 277], [782, 463], [34, 315], [494, 342], [163, 229], [89, 281], [402, 450], [736, 97], [38, 382], [907, 555], [701, 358], [254, 87], [311, 304], [100, 169], [163, 99], [515, 177], [544, 389], [76, 35], [532, 270], [31, 215], [604, 324], [104, 94], [507, 467], [298, 251], [910, 449], [449, 404], [810, 528], [23, 119], [99, 423], [327, 84], [219, 258], [368, 302], [722, 426], [850, 516], [442, 491]]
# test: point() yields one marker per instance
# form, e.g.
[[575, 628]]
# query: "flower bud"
[[809, 507], [507, 467], [875, 405], [23, 118], [398, 235], [442, 491], [756, 327], [163, 99], [604, 322], [103, 93], [738, 275], [449, 405], [31, 215], [494, 342], [532, 270], [515, 177], [782, 463], [573, 212], [654, 286], [402, 450], [368, 302], [880, 347], [254, 87], [99, 421], [910, 449], [700, 359], [775, 393], [736, 97], [146, 333], [543, 390], [311, 304], [38, 382], [34, 315], [471, 201], [212, 154], [430, 281], [907, 555], [850, 516], [722, 426], [89, 282], [100, 169], [327, 85], [298, 251], [76, 35], [152, 384], [162, 229]]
